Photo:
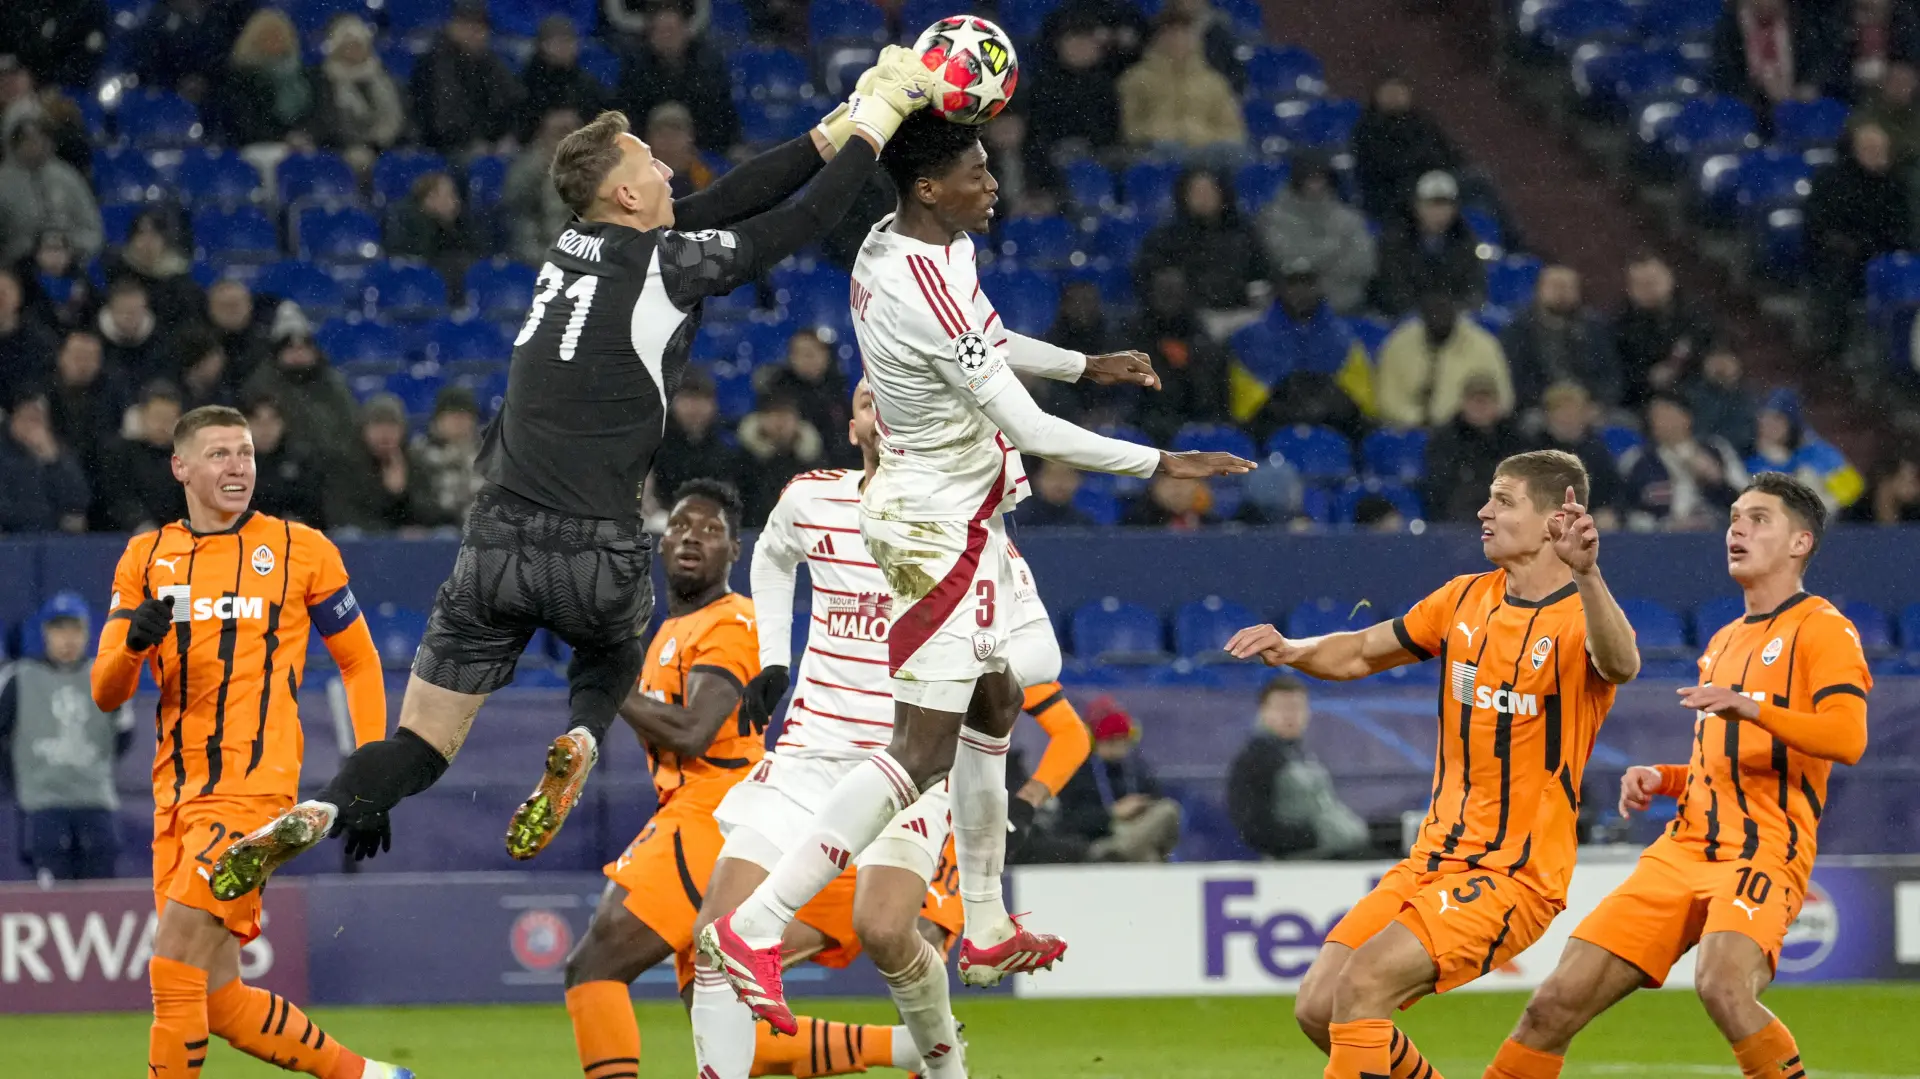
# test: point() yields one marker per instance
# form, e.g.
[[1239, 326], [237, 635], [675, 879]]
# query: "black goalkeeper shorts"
[[522, 568]]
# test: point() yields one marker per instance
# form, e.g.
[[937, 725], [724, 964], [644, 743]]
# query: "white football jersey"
[[933, 347], [842, 695]]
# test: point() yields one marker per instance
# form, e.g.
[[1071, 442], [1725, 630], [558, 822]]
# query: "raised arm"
[[1334, 657], [756, 185], [1610, 642]]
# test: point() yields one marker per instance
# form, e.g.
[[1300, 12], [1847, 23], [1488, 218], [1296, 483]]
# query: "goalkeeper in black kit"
[[554, 539]]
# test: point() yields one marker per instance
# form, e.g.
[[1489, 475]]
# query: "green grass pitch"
[[1846, 1032]]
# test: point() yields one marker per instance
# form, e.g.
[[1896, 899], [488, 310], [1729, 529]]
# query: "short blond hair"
[[584, 158], [204, 417], [1547, 474]]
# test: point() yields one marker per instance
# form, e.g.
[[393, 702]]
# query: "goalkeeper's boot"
[[251, 859], [539, 818], [1022, 953]]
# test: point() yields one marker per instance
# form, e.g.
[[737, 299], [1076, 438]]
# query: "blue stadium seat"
[[489, 386], [398, 58], [1566, 26], [1609, 77], [156, 121], [360, 341], [1257, 183], [1089, 186], [1149, 188], [1026, 299], [1876, 633], [1098, 502], [336, 234], [1346, 501], [417, 386], [311, 17], [124, 175], [499, 289], [1277, 71], [816, 295], [1661, 634], [1769, 180], [521, 18], [1372, 332], [1328, 124], [1910, 633], [1214, 438], [414, 16], [1511, 281], [601, 62], [1484, 226], [1118, 237], [733, 388], [1020, 18], [764, 72], [1893, 284], [1110, 631], [465, 341], [1317, 453], [1201, 628], [1808, 125], [1782, 245], [316, 291], [237, 233], [395, 171], [1710, 615], [406, 290], [396, 633], [487, 180], [1314, 618], [762, 341], [1039, 241], [768, 122], [318, 175], [1395, 455], [1679, 20], [845, 20], [1709, 124], [1619, 439], [210, 175]]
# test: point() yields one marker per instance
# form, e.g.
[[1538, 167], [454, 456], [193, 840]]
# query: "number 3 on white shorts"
[[549, 282]]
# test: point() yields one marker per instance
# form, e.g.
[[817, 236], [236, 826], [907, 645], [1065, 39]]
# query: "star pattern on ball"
[[976, 61], [971, 351]]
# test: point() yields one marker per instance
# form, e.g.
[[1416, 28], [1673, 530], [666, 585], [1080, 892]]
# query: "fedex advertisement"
[[1221, 929]]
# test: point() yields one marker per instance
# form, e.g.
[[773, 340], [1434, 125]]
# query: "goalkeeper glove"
[[895, 88]]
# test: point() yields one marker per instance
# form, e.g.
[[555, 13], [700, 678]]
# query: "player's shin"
[[1516, 1061], [824, 1047], [604, 1030], [920, 993], [379, 775], [723, 1031], [598, 679], [1770, 1054], [177, 1041], [860, 807], [979, 782], [269, 1027], [1361, 1050]]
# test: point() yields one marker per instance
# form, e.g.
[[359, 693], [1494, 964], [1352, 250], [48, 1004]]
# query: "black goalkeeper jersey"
[[614, 314]]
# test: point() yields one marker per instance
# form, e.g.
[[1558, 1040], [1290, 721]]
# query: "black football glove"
[[762, 696], [366, 836], [149, 623], [1020, 813]]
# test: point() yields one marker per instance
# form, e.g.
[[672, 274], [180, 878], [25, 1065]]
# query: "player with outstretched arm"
[[1530, 654], [1782, 698]]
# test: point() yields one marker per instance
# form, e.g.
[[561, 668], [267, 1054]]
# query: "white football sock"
[[723, 1034], [979, 781], [855, 814], [920, 992], [906, 1055]]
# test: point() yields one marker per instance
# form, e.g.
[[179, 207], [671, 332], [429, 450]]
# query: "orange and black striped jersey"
[[1747, 792], [717, 639], [244, 599], [1520, 705]]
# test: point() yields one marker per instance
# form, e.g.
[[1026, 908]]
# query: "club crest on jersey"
[[668, 650], [263, 560], [971, 352], [982, 645], [865, 616], [1771, 652], [1542, 648]]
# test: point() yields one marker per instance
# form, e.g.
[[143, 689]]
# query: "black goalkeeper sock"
[[378, 775], [598, 679]]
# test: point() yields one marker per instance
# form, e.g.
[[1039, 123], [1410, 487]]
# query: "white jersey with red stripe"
[[934, 352], [842, 697]]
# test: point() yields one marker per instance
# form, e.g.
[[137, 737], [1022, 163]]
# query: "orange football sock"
[[1516, 1061], [177, 1041], [1360, 1049], [604, 1030], [1769, 1054], [269, 1027], [1405, 1059], [822, 1047]]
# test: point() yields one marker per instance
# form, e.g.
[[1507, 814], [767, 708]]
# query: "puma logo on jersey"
[[824, 547], [1446, 901], [1741, 904], [838, 857], [1467, 633], [580, 247], [167, 562]]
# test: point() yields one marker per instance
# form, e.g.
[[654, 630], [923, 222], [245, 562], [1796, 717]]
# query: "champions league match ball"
[[976, 60]]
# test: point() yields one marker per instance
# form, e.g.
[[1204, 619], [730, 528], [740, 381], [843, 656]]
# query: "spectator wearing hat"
[[46, 491], [287, 483], [86, 401], [1557, 339], [1426, 362], [445, 453], [39, 193], [554, 78], [1054, 487], [1435, 253], [377, 486], [1222, 259], [670, 137], [358, 110], [244, 337], [1679, 480], [1466, 449], [1570, 423], [1307, 222], [313, 397], [59, 748], [138, 491], [696, 441], [533, 208], [1395, 144], [27, 345], [1784, 443], [152, 256], [780, 444], [1173, 100], [464, 97], [675, 64], [1301, 363], [1192, 366], [1279, 795], [1114, 801]]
